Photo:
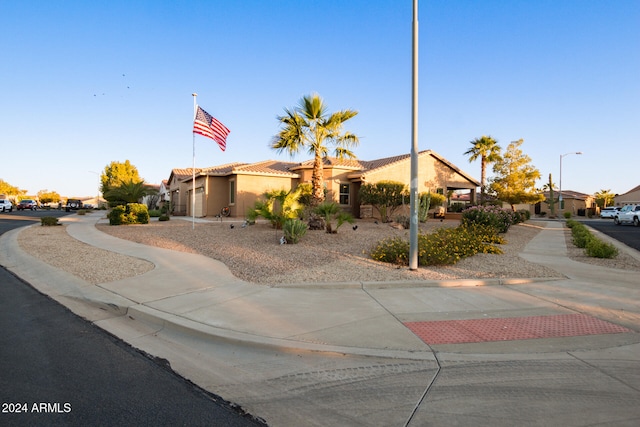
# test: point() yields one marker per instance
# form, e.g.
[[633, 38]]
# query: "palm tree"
[[128, 192], [309, 126], [488, 150]]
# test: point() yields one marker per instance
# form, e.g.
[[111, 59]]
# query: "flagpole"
[[193, 168]]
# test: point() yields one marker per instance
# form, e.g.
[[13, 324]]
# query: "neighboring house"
[[572, 201], [631, 197], [152, 201], [163, 193], [238, 185]]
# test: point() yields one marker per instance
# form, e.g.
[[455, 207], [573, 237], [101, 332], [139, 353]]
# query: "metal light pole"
[[413, 201], [560, 196]]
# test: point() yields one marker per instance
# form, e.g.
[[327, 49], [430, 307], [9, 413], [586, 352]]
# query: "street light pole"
[[560, 196]]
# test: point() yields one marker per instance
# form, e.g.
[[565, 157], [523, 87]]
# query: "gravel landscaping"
[[253, 253]]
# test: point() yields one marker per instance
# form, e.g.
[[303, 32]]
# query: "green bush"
[[155, 213], [567, 214], [444, 246], [48, 221], [133, 213], [117, 215], [385, 197], [581, 236], [593, 246], [294, 230], [138, 213], [163, 217], [394, 250], [522, 215], [599, 249], [499, 218]]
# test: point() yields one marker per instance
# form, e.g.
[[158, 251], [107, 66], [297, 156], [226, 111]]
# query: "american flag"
[[207, 125]]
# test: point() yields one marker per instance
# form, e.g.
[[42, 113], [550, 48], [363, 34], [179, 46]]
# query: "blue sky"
[[86, 83]]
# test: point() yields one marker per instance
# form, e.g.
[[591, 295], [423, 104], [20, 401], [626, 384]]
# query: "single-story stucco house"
[[631, 197], [573, 201], [238, 185]]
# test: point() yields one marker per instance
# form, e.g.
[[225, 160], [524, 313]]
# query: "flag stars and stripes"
[[207, 125]]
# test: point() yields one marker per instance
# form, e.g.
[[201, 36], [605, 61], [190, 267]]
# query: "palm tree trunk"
[[317, 180], [483, 177]]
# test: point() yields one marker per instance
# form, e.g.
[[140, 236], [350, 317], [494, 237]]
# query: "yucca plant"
[[294, 230]]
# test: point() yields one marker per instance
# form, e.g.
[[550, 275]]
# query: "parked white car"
[[6, 205], [609, 212], [628, 214]]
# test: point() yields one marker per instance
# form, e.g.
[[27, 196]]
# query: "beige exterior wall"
[[432, 175], [178, 196], [630, 198], [246, 190]]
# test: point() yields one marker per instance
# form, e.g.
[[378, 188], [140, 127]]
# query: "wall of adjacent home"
[[630, 198], [432, 175], [250, 188]]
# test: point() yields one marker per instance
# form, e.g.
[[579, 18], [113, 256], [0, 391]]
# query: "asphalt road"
[[627, 234], [58, 369]]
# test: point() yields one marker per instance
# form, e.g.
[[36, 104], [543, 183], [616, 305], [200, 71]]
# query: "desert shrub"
[[404, 221], [294, 230], [593, 247], [444, 246], [522, 215], [117, 215], [499, 218], [132, 213], [394, 250], [138, 213], [385, 197], [155, 213], [581, 236], [163, 217], [450, 245], [599, 249], [567, 214], [48, 221]]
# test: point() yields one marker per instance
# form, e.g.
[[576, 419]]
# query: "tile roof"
[[181, 174], [266, 167], [633, 190]]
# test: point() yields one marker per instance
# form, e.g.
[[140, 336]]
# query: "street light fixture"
[[560, 196]]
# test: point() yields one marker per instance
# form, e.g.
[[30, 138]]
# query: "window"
[[344, 193], [232, 192]]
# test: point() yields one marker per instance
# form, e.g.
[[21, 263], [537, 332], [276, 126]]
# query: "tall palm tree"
[[309, 126], [488, 151]]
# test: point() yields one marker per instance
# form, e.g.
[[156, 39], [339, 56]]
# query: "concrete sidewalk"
[[198, 295]]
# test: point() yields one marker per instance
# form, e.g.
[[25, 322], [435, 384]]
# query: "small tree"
[[515, 178], [385, 196], [116, 174], [46, 197]]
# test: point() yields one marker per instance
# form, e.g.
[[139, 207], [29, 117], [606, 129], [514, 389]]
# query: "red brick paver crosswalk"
[[511, 328]]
